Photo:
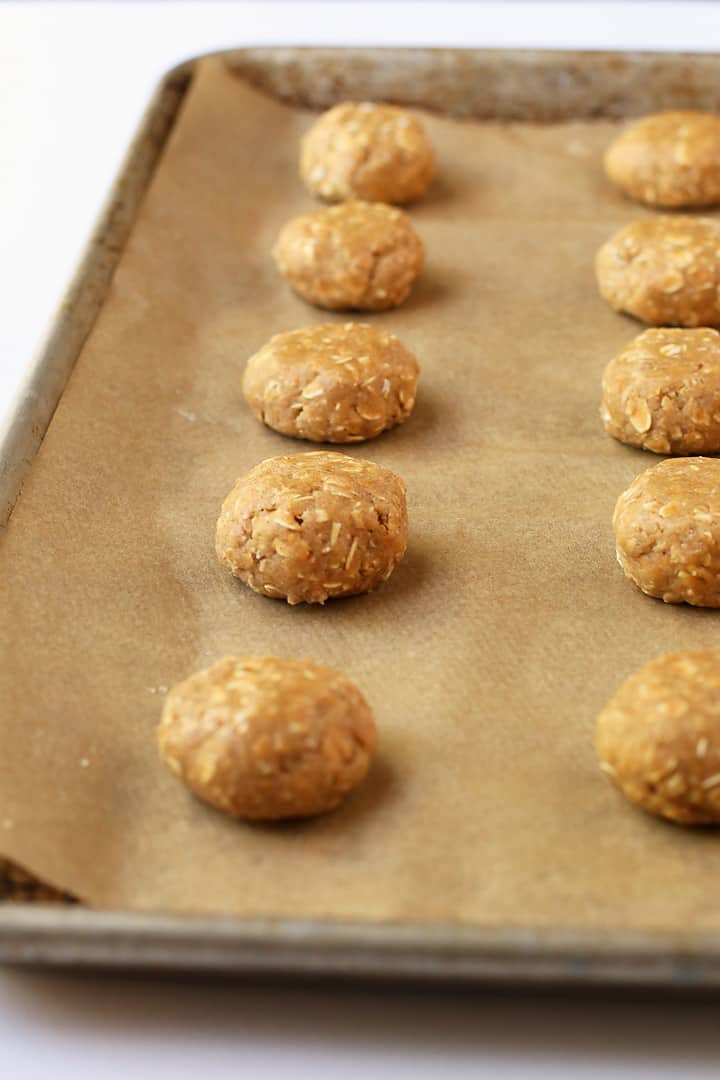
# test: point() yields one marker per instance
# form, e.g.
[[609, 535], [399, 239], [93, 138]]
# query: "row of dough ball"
[[666, 270], [380, 153], [265, 738], [662, 393], [364, 253], [269, 737], [658, 739], [347, 383]]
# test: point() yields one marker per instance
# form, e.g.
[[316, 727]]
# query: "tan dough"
[[357, 255], [664, 271], [668, 159], [667, 531], [307, 527], [334, 382], [658, 739], [662, 392], [268, 737], [365, 151]]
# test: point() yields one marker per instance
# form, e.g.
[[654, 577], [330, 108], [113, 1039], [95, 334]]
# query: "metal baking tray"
[[38, 926]]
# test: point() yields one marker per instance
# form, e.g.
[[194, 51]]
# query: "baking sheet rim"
[[34, 934]]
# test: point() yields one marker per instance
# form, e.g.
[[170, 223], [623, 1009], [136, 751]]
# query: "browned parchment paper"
[[488, 654]]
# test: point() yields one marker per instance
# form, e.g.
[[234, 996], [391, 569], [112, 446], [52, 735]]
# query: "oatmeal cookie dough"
[[664, 271], [268, 737], [667, 531], [662, 392], [334, 382], [668, 159], [358, 255], [307, 527], [366, 151], [658, 738]]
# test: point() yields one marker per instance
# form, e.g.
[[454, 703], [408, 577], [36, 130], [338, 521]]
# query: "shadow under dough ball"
[[365, 151], [333, 382], [664, 271], [662, 392], [658, 738], [268, 737], [668, 159], [355, 256], [667, 531], [308, 527]]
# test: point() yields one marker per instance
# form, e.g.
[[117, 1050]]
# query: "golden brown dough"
[[667, 531], [358, 255], [307, 527], [334, 382], [668, 159], [366, 151], [267, 737], [664, 271], [658, 739], [662, 392]]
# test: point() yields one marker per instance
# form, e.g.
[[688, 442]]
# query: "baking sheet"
[[486, 656]]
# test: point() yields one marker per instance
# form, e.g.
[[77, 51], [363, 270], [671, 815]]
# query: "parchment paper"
[[488, 654]]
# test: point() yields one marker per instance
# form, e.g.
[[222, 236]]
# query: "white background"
[[74, 78]]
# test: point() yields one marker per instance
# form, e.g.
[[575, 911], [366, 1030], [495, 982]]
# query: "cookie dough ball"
[[663, 392], [335, 382], [366, 151], [357, 255], [266, 737], [663, 270], [669, 159], [667, 530], [307, 527], [658, 739]]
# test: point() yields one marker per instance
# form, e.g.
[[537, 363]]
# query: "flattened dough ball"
[[662, 392], [668, 159], [658, 738], [357, 255], [334, 382], [667, 531], [366, 151], [664, 271], [267, 737], [307, 527]]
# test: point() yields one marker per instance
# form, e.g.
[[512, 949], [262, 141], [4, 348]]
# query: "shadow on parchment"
[[369, 798]]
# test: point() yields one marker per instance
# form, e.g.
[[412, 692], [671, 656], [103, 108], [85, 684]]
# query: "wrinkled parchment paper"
[[488, 654]]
